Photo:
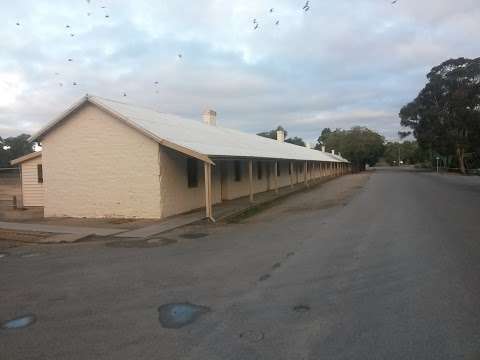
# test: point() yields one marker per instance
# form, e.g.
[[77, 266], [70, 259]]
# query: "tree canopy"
[[14, 147], [408, 152], [272, 134], [360, 145], [445, 116]]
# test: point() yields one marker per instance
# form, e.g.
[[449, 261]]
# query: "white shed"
[[31, 173]]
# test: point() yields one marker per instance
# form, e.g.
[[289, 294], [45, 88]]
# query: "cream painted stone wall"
[[96, 166], [176, 196], [32, 190]]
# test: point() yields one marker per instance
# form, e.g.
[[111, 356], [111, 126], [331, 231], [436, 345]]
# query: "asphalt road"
[[380, 266]]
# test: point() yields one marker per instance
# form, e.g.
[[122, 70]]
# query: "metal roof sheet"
[[209, 140]]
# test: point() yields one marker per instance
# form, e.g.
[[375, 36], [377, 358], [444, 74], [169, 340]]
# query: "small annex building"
[[104, 158], [31, 176]]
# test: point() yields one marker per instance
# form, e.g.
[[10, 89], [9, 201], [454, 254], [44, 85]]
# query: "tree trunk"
[[461, 157]]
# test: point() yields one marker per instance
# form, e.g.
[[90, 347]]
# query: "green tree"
[[323, 138], [272, 134], [14, 147], [407, 152], [296, 141], [360, 145], [445, 116]]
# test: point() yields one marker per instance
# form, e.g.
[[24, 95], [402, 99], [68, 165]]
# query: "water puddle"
[[253, 336], [301, 308], [264, 277], [193, 235], [19, 322], [177, 315]]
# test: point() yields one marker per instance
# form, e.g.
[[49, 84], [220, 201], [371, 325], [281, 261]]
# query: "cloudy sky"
[[342, 63]]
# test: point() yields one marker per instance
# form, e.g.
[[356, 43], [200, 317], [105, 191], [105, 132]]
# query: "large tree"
[[14, 147], [360, 145], [408, 152], [445, 116]]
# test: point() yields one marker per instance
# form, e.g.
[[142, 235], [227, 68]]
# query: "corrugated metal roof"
[[212, 141], [24, 158]]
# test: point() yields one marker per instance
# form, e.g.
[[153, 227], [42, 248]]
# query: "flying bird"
[[107, 16], [72, 35], [60, 84], [277, 22], [70, 59], [124, 94], [394, 2], [75, 83], [254, 21], [89, 13], [271, 10], [68, 26], [156, 82], [18, 24], [307, 5], [179, 56]]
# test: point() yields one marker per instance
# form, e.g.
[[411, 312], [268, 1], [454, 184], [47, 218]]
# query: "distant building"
[[103, 158]]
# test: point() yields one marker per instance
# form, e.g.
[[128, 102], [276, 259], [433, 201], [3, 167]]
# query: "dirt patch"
[[22, 236]]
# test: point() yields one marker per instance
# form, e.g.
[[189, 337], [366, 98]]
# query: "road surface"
[[373, 266]]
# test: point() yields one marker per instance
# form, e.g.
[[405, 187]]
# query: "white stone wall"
[[96, 166]]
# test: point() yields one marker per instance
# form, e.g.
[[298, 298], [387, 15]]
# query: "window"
[[192, 172], [259, 170], [278, 169], [39, 173], [238, 170]]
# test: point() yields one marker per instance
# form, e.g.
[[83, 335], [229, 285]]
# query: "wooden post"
[[250, 175], [290, 164], [275, 175], [208, 191]]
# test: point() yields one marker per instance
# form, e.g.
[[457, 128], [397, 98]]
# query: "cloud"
[[343, 63]]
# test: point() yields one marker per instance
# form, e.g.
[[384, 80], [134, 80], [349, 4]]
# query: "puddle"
[[29, 255], [264, 277], [3, 254], [276, 265], [301, 308], [252, 336], [193, 235], [138, 243], [19, 322], [162, 241], [177, 315]]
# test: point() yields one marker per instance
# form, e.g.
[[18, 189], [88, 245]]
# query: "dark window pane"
[[192, 172], [40, 173], [238, 170]]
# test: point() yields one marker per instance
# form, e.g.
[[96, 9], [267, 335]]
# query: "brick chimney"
[[323, 148], [210, 117], [333, 152]]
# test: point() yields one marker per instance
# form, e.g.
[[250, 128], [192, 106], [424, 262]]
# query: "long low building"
[[104, 158]]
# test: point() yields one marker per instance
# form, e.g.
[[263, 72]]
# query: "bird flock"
[[103, 9]]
